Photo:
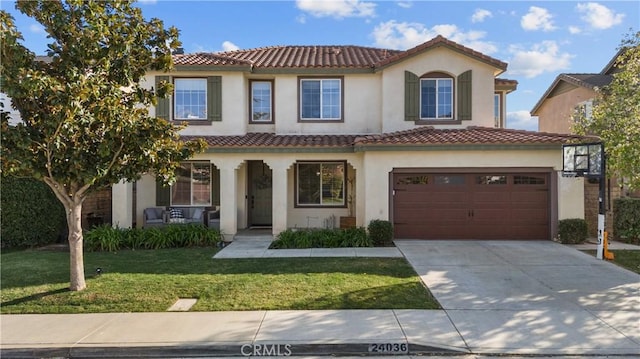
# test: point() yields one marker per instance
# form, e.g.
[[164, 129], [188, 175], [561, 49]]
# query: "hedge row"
[[31, 214], [626, 219], [378, 233], [108, 239]]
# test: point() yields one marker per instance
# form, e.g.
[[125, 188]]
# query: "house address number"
[[395, 348]]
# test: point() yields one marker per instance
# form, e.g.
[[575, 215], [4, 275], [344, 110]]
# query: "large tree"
[[616, 115], [85, 120]]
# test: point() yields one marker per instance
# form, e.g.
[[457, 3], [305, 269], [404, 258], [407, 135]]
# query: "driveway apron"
[[530, 297]]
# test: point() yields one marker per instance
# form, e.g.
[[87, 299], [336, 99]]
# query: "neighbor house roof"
[[330, 57], [422, 136], [590, 81]]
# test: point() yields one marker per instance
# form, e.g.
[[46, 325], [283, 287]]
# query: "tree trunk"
[[76, 254]]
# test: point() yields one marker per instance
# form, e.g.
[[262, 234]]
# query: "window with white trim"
[[321, 99], [261, 101], [436, 98], [190, 99], [320, 184], [193, 185]]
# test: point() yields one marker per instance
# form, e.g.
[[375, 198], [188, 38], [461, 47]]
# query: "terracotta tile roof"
[[442, 41], [466, 136], [419, 136], [206, 59], [273, 140], [291, 57], [338, 56]]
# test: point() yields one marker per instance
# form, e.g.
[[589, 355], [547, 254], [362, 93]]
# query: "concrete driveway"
[[530, 296]]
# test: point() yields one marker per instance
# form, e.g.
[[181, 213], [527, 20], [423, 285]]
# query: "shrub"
[[104, 238], [572, 231], [31, 214], [626, 220], [109, 239], [322, 238], [380, 232]]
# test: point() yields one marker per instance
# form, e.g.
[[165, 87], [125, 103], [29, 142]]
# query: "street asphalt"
[[499, 298]]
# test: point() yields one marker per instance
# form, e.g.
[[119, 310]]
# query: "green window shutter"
[[464, 96], [411, 96], [163, 194], [163, 108], [214, 98], [215, 186]]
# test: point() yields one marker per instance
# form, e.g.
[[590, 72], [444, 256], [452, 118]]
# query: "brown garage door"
[[471, 205]]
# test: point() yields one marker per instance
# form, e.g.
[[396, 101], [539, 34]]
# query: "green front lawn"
[[152, 280], [629, 259]]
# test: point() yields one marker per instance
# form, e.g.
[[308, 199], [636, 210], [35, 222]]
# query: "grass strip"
[[152, 280]]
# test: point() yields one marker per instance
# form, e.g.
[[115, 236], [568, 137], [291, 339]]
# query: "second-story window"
[[321, 99], [261, 102], [497, 110], [436, 98], [190, 99]]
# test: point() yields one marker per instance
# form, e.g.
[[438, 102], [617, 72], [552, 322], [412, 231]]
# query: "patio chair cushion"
[[176, 213]]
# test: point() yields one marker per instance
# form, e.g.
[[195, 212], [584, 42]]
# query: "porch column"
[[279, 195], [228, 199], [122, 204]]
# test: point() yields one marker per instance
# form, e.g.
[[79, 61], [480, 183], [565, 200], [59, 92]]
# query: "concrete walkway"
[[499, 298]]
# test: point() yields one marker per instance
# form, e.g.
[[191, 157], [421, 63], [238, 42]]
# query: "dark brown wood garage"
[[481, 205]]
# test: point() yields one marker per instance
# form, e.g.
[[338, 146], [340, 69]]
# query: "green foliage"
[[322, 238], [626, 220], [31, 214], [108, 239], [381, 232], [572, 231], [616, 113], [85, 114]]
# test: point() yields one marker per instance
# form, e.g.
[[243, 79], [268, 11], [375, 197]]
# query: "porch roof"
[[426, 136]]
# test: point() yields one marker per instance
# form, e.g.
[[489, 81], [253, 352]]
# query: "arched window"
[[436, 96]]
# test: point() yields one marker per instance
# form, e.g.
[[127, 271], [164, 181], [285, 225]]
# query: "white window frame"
[[252, 110], [322, 115], [196, 117], [438, 109]]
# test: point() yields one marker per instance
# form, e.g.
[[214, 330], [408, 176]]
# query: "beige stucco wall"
[[371, 185], [441, 60], [554, 115], [378, 165]]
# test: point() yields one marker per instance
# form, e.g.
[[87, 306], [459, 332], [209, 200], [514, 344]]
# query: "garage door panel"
[[472, 206]]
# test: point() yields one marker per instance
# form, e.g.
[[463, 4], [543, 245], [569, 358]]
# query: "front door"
[[260, 194]]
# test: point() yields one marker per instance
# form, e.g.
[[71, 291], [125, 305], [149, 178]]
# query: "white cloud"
[[405, 35], [537, 19], [480, 15], [36, 29], [148, 2], [229, 46], [542, 57], [522, 120], [337, 8], [405, 4], [599, 16], [574, 30]]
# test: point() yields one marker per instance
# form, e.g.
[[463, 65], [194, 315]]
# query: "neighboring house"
[[567, 95], [299, 136]]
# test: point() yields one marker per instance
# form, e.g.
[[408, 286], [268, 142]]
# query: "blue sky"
[[539, 39]]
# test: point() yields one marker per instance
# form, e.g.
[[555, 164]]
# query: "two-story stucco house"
[[299, 136]]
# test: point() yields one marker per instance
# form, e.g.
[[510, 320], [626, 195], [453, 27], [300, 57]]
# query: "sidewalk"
[[259, 333]]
